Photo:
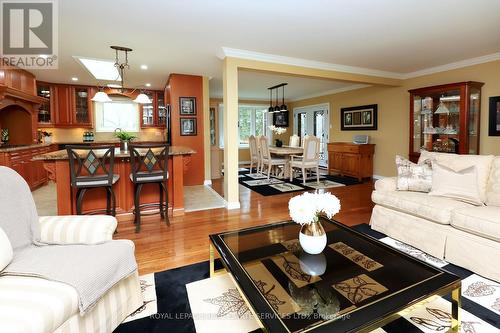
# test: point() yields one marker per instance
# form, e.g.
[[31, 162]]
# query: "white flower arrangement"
[[277, 130], [306, 208]]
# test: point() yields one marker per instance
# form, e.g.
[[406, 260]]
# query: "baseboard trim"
[[378, 177], [233, 205]]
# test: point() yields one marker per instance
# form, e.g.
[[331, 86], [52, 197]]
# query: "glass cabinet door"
[[82, 105], [162, 110], [44, 115], [473, 123], [148, 118]]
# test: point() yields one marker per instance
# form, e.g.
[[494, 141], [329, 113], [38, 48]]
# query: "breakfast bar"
[[56, 163]]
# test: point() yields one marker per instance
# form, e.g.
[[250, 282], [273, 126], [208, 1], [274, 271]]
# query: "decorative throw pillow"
[[413, 177], [460, 185], [5, 250]]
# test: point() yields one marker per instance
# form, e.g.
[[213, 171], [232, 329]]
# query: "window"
[[120, 113], [252, 120]]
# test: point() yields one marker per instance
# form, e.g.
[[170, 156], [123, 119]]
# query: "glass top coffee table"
[[356, 284]]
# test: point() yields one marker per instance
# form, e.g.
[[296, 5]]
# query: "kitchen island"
[[56, 163]]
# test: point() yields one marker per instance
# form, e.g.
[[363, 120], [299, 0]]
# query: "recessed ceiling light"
[[148, 84], [101, 69], [74, 78], [114, 85], [144, 67]]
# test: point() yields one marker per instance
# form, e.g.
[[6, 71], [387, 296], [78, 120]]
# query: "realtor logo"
[[29, 34]]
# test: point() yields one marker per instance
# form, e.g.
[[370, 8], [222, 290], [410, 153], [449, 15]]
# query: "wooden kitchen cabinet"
[[69, 105], [46, 109], [349, 159], [154, 115], [21, 160], [81, 106]]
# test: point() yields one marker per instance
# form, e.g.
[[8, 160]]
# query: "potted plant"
[[125, 138], [278, 131], [305, 210]]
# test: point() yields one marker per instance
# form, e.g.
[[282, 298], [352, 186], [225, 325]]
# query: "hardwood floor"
[[185, 241]]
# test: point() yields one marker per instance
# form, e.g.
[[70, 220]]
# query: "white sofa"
[[460, 233], [30, 304]]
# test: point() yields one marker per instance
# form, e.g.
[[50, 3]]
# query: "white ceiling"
[[253, 86], [179, 36]]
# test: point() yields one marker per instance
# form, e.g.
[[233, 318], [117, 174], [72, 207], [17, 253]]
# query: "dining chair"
[[149, 165], [294, 141], [267, 159], [309, 160], [303, 140], [92, 167], [254, 153]]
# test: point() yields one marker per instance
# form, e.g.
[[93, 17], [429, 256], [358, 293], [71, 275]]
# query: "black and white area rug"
[[187, 300], [258, 182]]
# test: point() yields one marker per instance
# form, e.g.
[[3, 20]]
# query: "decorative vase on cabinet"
[[445, 118]]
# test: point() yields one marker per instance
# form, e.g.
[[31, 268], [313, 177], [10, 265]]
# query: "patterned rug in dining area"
[[259, 183]]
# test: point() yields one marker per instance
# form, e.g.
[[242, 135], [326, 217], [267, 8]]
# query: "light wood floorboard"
[[160, 247]]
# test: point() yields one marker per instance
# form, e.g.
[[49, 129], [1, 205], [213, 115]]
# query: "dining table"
[[286, 152]]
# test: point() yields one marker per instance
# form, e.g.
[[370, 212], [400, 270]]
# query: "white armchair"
[[31, 303]]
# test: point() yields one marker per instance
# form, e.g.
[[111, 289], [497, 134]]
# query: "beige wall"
[[76, 134], [392, 136]]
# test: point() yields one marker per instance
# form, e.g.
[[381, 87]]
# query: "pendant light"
[[277, 107], [283, 106], [271, 109], [101, 97], [142, 98]]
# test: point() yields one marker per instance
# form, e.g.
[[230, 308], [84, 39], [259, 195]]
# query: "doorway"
[[314, 120]]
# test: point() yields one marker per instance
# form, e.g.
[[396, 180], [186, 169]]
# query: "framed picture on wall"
[[187, 106], [188, 127], [494, 121], [280, 119], [358, 118]]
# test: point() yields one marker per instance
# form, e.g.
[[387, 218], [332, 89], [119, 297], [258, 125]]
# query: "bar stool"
[[84, 163], [149, 164]]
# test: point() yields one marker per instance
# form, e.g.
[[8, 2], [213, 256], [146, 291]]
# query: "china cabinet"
[[445, 118]]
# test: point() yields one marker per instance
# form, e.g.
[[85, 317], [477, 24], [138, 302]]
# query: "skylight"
[[101, 69]]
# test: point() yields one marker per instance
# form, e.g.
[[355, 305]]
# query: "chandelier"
[[102, 97], [277, 108]]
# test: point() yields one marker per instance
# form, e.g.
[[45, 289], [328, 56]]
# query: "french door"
[[313, 120]]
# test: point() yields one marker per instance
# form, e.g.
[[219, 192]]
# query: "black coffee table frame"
[[362, 319]]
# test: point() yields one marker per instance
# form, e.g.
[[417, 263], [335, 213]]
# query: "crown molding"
[[454, 65], [272, 58], [330, 92]]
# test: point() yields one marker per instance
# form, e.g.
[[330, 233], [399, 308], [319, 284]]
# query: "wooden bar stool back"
[[149, 165], [92, 167]]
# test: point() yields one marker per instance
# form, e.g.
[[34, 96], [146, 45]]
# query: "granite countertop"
[[103, 142], [10, 148], [63, 155]]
